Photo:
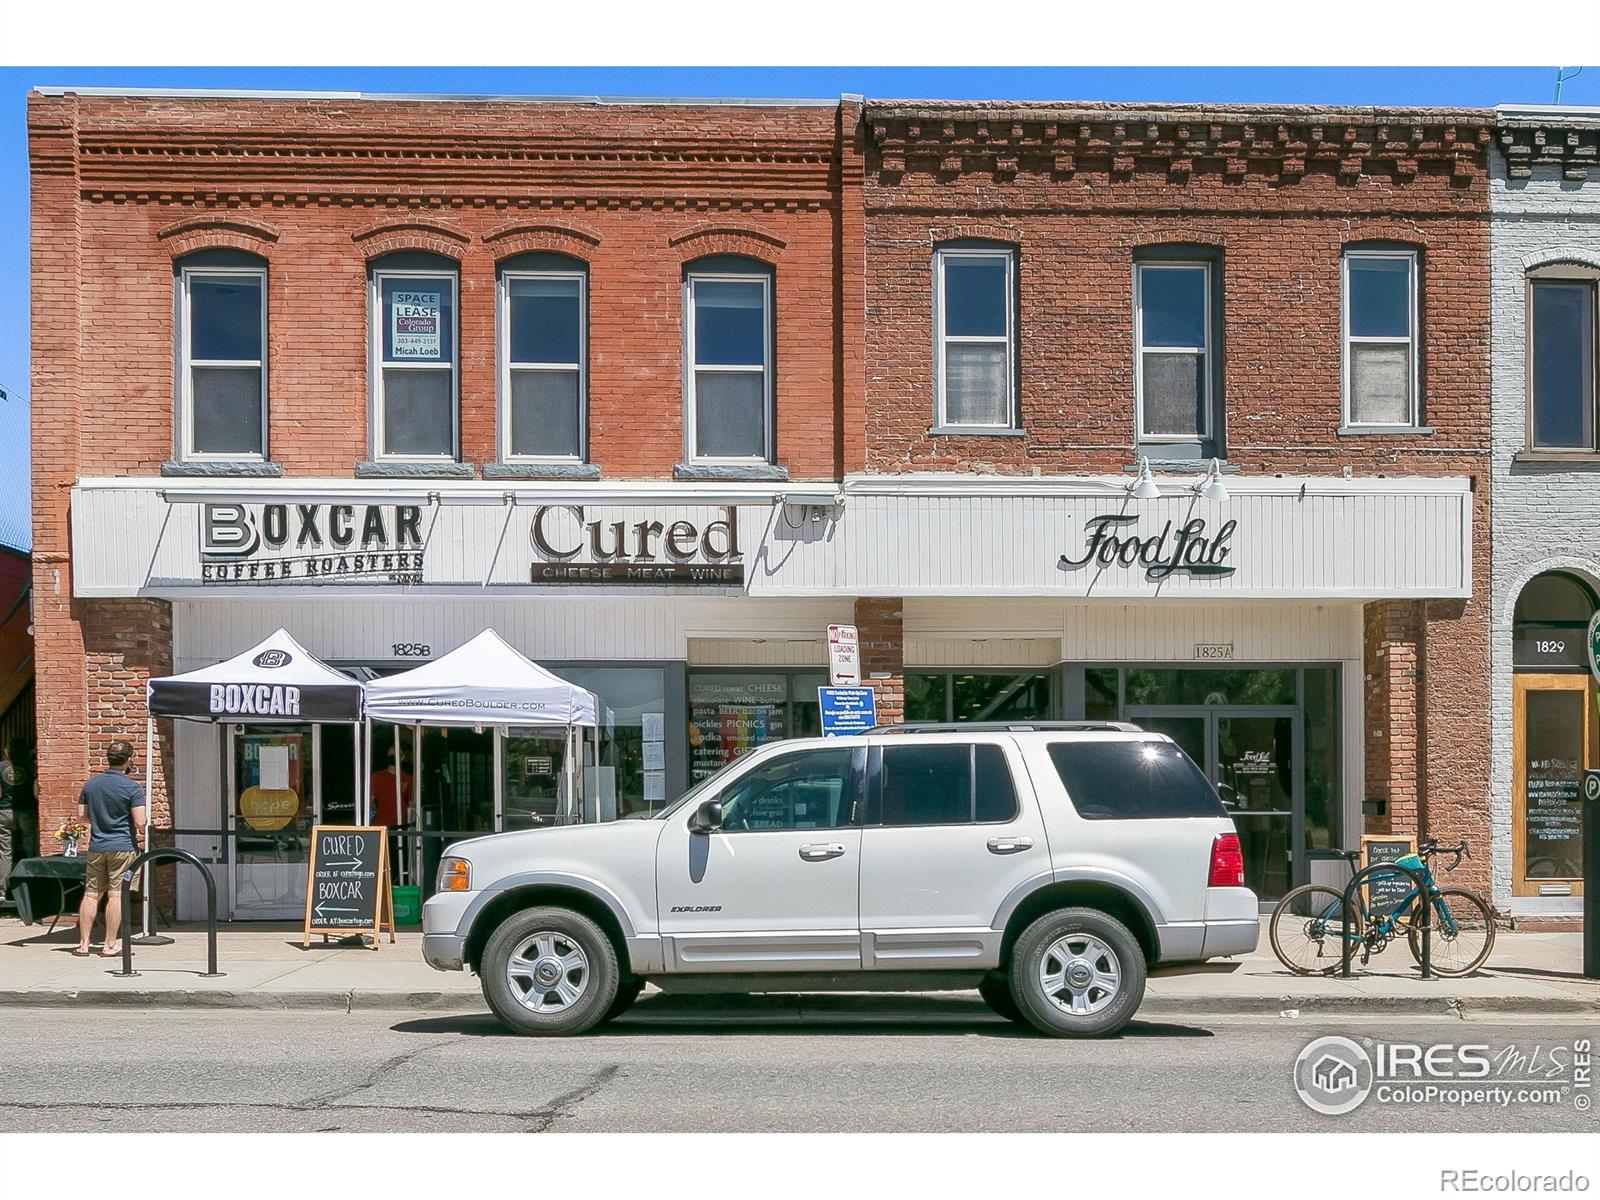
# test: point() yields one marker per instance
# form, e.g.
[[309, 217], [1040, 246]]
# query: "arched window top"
[[413, 260], [728, 264], [1554, 598], [219, 258], [541, 260]]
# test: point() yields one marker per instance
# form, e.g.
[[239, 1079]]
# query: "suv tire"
[[996, 992], [627, 992], [1077, 972], [549, 971]]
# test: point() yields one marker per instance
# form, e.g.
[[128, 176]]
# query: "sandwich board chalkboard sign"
[[1386, 889], [348, 889]]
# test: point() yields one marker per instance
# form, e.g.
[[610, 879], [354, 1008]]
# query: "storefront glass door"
[[1253, 756], [272, 784], [1553, 739], [534, 776]]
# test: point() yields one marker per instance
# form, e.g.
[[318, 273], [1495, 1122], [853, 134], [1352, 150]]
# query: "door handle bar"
[[821, 851], [1009, 845]]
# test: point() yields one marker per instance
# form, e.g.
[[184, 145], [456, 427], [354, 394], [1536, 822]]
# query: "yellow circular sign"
[[267, 809]]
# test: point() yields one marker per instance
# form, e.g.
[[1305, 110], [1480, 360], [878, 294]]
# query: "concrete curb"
[[789, 1008]]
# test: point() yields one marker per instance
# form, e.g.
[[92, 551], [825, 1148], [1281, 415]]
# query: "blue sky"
[[1476, 86]]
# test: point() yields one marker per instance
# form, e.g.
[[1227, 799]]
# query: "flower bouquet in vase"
[[69, 833]]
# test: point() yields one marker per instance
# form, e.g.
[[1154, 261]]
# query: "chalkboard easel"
[[1386, 889], [348, 887]]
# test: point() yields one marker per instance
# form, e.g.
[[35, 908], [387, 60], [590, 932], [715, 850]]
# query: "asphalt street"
[[302, 1072]]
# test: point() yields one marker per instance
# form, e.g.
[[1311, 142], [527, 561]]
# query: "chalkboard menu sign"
[[1386, 889], [349, 890]]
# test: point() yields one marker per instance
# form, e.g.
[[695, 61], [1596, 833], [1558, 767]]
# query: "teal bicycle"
[[1306, 925]]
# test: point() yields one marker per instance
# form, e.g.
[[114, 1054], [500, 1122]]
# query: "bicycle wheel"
[[1461, 943], [1305, 930]]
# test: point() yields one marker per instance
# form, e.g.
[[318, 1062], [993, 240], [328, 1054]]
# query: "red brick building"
[[1055, 294], [660, 391]]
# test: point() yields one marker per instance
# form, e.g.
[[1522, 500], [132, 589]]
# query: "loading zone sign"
[[847, 710]]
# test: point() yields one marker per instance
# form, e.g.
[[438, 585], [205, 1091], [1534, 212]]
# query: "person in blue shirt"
[[114, 806]]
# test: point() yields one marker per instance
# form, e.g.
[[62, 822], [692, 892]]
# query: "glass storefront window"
[[1552, 772], [927, 697], [1173, 685], [730, 714], [633, 760], [1100, 694], [273, 815], [979, 696]]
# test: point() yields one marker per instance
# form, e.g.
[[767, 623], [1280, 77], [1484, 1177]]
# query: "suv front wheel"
[[549, 971], [1077, 972]]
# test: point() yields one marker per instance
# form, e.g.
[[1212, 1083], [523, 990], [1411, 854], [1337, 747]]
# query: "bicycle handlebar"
[[1458, 851]]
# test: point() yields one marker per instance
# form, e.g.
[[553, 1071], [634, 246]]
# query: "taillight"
[[1227, 862]]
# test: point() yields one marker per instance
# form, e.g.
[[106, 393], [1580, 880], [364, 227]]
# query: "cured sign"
[[348, 889]]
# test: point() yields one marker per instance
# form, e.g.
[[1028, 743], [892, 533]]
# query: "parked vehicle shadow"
[[642, 1025]]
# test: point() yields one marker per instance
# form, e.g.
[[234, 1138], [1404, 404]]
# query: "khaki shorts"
[[105, 869]]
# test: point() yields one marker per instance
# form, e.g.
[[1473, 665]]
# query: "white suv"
[[1045, 864]]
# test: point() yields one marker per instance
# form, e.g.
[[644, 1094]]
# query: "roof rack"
[[1009, 727]]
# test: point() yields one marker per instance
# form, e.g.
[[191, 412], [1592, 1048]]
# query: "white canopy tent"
[[275, 681], [486, 681]]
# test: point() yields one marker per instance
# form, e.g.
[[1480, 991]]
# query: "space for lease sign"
[[416, 321]]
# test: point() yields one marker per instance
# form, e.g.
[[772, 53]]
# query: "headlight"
[[455, 875]]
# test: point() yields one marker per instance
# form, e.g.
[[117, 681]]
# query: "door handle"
[[1009, 845], [820, 851]]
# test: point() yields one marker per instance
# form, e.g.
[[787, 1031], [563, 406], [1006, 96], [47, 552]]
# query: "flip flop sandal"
[[82, 954]]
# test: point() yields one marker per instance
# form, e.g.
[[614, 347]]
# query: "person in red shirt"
[[385, 809]]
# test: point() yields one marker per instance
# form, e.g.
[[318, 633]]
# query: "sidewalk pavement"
[[266, 968]]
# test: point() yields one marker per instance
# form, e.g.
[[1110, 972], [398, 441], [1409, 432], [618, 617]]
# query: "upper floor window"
[[975, 334], [414, 384], [222, 356], [1561, 367], [543, 353], [1380, 339], [1172, 344], [728, 344]]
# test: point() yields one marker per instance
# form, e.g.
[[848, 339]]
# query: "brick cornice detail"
[[700, 240], [1574, 147], [523, 238], [217, 233], [1003, 142]]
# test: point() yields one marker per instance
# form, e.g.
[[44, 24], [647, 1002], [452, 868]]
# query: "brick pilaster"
[[1393, 656], [881, 626]]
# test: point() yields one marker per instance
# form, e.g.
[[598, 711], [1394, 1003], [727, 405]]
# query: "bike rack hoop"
[[173, 852], [1419, 879]]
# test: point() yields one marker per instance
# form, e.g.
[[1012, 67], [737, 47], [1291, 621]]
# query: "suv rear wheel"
[[549, 971], [1077, 972]]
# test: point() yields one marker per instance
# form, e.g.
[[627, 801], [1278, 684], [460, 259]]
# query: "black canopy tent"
[[275, 681]]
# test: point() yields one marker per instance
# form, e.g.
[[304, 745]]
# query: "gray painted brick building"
[[1545, 246]]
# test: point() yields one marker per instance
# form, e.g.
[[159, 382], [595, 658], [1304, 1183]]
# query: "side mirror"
[[707, 817]]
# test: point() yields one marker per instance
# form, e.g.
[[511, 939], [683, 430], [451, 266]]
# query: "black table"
[[49, 888]]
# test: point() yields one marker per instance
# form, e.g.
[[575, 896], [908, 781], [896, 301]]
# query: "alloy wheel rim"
[[1080, 974], [548, 972]]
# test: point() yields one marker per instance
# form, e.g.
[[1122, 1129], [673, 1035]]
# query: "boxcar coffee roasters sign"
[[575, 544], [310, 543]]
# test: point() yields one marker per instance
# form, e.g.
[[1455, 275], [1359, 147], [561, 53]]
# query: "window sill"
[[217, 468], [1573, 459], [752, 472], [1182, 466], [975, 431], [1385, 430], [573, 470], [413, 470]]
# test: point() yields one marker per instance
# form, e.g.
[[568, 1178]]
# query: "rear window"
[[1121, 781]]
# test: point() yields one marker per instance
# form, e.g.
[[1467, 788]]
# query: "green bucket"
[[408, 906]]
